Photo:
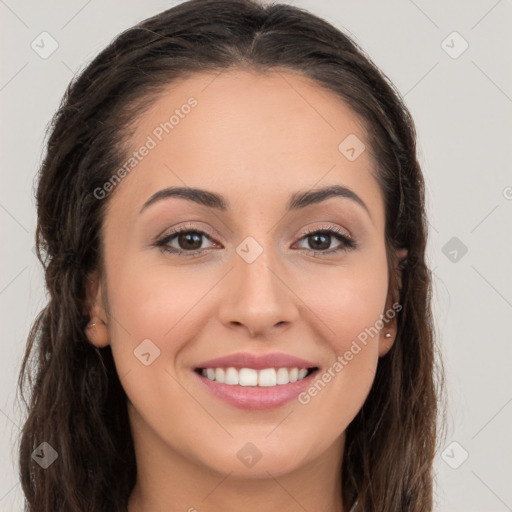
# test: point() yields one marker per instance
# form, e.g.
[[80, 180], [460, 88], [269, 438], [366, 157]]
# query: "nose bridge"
[[257, 280], [257, 296]]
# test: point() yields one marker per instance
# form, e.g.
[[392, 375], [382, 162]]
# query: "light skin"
[[255, 140]]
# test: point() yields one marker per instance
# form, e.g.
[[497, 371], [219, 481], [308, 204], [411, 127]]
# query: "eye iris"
[[187, 240], [316, 237]]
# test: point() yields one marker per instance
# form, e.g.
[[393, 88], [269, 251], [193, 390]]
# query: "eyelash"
[[348, 243]]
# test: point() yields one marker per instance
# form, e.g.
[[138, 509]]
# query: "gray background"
[[462, 106]]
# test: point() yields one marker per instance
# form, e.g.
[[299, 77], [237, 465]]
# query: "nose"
[[258, 299]]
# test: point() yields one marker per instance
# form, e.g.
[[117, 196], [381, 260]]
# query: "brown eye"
[[321, 239], [191, 240], [185, 242]]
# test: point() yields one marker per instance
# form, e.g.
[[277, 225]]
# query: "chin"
[[272, 464], [255, 459]]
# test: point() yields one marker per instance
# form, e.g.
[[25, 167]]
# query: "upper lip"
[[258, 362]]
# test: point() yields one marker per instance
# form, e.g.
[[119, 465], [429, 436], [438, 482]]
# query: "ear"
[[388, 333], [97, 329]]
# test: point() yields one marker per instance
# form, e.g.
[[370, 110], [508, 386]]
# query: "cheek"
[[160, 304], [168, 305], [355, 310], [350, 310], [155, 302], [349, 301]]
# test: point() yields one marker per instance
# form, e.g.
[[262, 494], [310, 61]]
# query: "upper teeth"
[[252, 377]]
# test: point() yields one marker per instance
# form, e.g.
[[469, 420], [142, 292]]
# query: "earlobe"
[[97, 329], [402, 253], [385, 343], [97, 333], [389, 332]]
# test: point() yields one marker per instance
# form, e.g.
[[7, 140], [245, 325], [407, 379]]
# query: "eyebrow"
[[298, 200]]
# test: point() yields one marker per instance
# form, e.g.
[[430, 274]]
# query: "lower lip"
[[256, 397]]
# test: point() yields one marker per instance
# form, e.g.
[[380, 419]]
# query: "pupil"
[[316, 237], [189, 239]]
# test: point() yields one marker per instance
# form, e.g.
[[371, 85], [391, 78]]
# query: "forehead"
[[248, 133], [241, 106]]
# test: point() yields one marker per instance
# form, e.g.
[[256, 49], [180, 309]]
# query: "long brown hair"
[[75, 400]]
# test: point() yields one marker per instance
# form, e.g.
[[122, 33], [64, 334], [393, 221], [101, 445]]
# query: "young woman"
[[232, 225]]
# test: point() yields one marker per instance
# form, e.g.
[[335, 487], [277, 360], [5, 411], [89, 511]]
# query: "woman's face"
[[245, 278]]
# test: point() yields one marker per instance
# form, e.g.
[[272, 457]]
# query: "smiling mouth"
[[251, 377]]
